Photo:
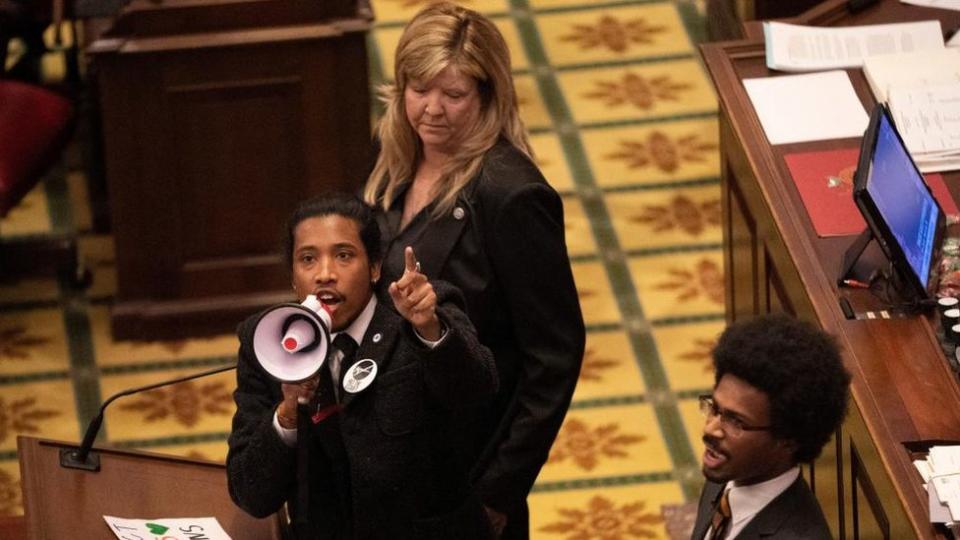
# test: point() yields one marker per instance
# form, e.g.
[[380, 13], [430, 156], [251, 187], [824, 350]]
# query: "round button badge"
[[360, 375]]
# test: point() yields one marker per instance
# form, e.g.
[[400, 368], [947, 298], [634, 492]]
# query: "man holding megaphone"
[[370, 443]]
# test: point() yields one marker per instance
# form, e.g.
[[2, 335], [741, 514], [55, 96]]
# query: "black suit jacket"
[[504, 248], [386, 466], [793, 515]]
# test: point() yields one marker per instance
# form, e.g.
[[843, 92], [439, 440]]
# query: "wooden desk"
[[725, 18], [63, 503], [903, 389], [218, 117], [13, 528]]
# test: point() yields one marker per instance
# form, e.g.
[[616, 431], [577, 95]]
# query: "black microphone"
[[81, 457]]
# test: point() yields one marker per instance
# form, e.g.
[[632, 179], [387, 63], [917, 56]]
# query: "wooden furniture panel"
[[762, 273], [218, 117], [741, 256], [62, 503], [725, 18], [13, 527], [903, 389], [778, 301], [869, 500], [204, 16], [869, 515], [828, 481]]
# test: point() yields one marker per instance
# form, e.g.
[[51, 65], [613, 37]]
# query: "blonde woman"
[[455, 179]]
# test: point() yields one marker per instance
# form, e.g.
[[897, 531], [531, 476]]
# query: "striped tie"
[[721, 517]]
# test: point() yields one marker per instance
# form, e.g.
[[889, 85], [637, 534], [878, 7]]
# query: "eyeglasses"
[[731, 425]]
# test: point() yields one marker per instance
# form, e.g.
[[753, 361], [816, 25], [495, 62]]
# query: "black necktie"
[[348, 347], [327, 398], [325, 406], [721, 517]]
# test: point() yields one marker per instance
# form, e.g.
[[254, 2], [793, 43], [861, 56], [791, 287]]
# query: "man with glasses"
[[780, 392]]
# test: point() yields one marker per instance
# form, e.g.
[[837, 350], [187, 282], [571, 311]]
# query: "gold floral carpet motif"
[[623, 123]]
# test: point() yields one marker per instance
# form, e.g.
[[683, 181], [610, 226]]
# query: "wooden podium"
[[70, 503], [218, 116], [905, 395]]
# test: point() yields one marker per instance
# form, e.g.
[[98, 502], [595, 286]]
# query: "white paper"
[[809, 107], [944, 459], [938, 165], [939, 512], [941, 4], [793, 47], [887, 71], [928, 119], [947, 488], [203, 528], [923, 467]]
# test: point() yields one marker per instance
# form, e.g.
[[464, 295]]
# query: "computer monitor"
[[899, 208]]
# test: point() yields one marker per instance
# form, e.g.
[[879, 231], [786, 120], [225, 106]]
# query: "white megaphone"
[[291, 340]]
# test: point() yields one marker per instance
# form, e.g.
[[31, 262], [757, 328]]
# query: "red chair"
[[35, 125]]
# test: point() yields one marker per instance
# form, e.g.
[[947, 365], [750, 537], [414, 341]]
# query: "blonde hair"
[[439, 36]]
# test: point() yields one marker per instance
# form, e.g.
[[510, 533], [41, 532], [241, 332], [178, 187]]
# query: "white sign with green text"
[[205, 528]]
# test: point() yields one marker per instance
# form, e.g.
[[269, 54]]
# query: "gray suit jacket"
[[793, 515]]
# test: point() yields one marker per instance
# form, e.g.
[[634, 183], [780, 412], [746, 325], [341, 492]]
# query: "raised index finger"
[[410, 260]]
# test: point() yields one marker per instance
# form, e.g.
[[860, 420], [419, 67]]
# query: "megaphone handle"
[[303, 463]]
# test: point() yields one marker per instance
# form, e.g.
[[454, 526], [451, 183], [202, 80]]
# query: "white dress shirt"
[[747, 501]]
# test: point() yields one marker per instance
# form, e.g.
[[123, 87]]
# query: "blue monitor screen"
[[902, 198]]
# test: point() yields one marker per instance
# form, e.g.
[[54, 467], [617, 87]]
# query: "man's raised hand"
[[414, 298]]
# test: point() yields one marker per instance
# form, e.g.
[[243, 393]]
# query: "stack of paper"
[[911, 69], [923, 93], [808, 48], [941, 476], [928, 119], [906, 65]]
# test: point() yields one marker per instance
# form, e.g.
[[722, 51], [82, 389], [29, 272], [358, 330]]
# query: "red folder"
[[825, 182]]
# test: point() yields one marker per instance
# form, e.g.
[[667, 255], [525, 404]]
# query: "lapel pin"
[[458, 213], [360, 375]]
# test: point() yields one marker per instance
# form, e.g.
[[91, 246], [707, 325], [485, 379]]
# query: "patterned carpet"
[[623, 118]]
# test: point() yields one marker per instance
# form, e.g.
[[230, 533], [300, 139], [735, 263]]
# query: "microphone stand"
[[81, 457]]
